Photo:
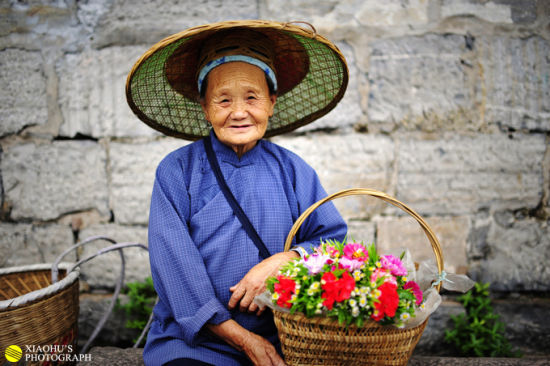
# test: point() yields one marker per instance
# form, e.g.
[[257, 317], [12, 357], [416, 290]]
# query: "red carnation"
[[286, 287], [336, 290], [387, 302]]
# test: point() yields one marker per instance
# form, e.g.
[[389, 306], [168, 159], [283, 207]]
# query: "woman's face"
[[238, 105]]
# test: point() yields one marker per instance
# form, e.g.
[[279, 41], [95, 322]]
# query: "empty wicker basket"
[[323, 341], [35, 312]]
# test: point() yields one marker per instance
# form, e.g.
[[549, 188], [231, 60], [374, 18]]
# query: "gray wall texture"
[[448, 110]]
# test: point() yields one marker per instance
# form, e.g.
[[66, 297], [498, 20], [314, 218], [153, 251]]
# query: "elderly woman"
[[207, 262]]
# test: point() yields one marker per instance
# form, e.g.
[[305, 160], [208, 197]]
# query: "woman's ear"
[[273, 98], [204, 109]]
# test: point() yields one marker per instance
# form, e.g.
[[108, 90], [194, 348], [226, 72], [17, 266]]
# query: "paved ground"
[[132, 357]]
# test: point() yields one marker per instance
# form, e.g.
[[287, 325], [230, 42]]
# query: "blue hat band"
[[236, 58]]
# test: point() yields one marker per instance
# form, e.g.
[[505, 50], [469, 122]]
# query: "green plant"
[[141, 299], [479, 332]]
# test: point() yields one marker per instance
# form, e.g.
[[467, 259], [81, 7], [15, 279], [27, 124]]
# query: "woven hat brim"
[[157, 100]]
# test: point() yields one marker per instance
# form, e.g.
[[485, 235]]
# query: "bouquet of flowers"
[[349, 282]]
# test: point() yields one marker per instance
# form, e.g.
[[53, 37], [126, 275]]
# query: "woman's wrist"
[[231, 332]]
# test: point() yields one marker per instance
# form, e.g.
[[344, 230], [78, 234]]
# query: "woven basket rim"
[[22, 300], [325, 320]]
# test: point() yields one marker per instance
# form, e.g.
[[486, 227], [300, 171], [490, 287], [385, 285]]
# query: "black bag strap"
[[245, 222]]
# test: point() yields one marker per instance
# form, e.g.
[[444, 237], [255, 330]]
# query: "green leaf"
[[478, 332]]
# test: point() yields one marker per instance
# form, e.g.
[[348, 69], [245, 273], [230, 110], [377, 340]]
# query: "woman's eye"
[[251, 97]]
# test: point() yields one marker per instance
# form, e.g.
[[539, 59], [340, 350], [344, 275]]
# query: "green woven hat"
[[311, 72]]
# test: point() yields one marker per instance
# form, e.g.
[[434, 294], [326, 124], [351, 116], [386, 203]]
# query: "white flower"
[[355, 312]]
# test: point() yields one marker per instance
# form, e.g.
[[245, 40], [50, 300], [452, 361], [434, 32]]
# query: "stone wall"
[[447, 109]]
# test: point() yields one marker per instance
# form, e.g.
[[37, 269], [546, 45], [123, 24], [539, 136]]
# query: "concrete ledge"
[[132, 357], [114, 356], [481, 361]]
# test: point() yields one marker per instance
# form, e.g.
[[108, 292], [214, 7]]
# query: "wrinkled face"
[[238, 105]]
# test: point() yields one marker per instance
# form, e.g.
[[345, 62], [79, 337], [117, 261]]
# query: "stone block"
[[523, 11], [23, 91], [92, 94], [348, 111], [420, 82], [518, 256], [14, 243], [496, 11], [51, 241], [515, 82], [405, 232], [329, 15], [431, 342], [462, 174], [45, 26], [44, 182], [133, 169], [361, 231], [490, 11], [22, 244], [103, 271], [126, 24], [347, 161], [525, 319], [114, 332]]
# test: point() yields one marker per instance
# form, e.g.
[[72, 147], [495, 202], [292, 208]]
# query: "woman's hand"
[[253, 283], [260, 351]]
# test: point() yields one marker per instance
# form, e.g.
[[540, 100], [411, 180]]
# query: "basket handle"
[[436, 247], [118, 287]]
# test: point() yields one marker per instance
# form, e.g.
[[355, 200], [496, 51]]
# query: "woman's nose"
[[239, 110]]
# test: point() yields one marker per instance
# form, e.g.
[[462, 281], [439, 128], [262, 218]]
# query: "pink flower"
[[383, 273], [351, 264], [315, 262], [332, 251], [393, 264], [356, 251], [415, 290]]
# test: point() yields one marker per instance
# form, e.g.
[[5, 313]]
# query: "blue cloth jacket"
[[198, 248]]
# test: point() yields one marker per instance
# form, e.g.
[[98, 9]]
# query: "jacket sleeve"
[[325, 222], [178, 270]]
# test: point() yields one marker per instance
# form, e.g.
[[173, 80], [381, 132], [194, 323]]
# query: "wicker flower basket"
[[322, 341], [35, 312]]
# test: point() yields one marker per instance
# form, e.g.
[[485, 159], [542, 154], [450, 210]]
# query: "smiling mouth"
[[240, 127]]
